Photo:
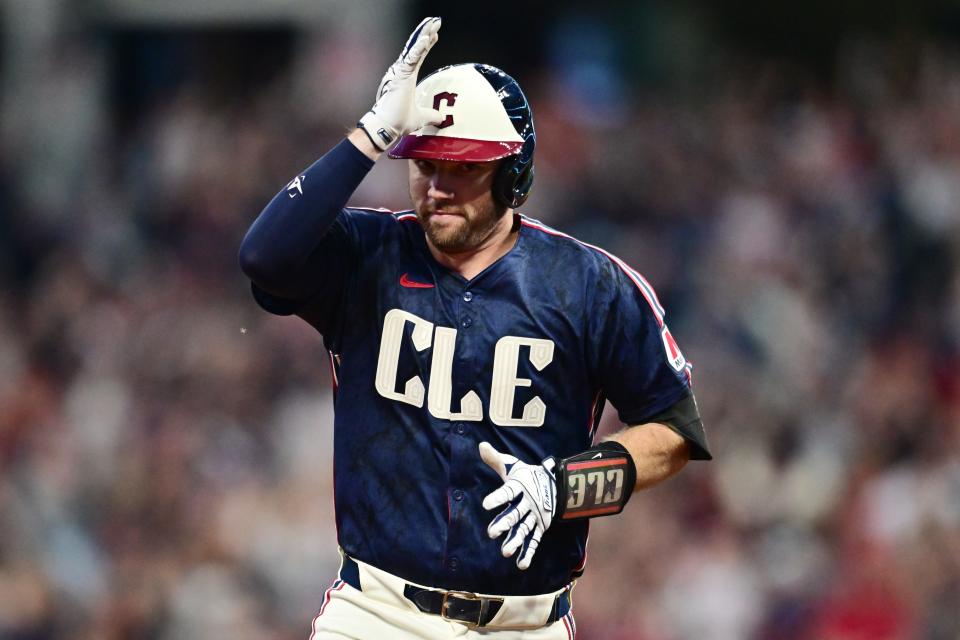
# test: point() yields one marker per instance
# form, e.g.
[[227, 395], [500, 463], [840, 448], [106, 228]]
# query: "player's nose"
[[439, 189]]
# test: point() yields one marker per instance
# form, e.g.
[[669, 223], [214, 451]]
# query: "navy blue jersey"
[[428, 365]]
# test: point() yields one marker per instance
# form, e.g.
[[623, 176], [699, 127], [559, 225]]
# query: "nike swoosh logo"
[[596, 456], [411, 284]]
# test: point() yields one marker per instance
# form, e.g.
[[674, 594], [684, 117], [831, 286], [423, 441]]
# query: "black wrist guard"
[[597, 482]]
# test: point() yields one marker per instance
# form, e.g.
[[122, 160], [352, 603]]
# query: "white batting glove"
[[530, 493], [395, 112]]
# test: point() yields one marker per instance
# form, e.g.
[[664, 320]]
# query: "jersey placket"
[[462, 439]]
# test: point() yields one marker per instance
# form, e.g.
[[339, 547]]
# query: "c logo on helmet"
[[450, 99]]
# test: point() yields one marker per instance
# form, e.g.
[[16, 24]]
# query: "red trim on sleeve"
[[641, 283]]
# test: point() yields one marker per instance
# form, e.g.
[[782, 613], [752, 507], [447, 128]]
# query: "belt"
[[474, 610]]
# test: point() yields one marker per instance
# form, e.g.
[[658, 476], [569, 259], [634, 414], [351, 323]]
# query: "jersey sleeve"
[[326, 274], [641, 369], [299, 251], [331, 268]]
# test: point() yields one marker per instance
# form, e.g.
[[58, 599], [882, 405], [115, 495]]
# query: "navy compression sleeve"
[[286, 232]]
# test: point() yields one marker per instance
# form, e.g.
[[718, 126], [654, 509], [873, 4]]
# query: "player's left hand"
[[530, 493]]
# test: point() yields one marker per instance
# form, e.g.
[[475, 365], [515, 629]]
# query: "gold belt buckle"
[[463, 595]]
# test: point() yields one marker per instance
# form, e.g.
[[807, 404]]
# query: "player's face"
[[454, 203]]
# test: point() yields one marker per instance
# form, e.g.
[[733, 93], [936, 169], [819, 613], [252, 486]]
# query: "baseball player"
[[473, 349]]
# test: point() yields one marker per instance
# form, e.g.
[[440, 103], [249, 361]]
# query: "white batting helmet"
[[487, 118]]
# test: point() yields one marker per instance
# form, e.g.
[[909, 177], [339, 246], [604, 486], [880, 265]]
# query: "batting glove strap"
[[597, 482], [380, 134]]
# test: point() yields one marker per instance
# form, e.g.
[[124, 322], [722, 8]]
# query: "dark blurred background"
[[786, 175]]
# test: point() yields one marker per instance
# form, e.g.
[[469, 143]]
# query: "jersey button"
[[460, 428], [457, 495], [453, 564], [467, 296], [467, 322]]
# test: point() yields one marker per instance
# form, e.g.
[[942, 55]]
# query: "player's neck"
[[470, 263]]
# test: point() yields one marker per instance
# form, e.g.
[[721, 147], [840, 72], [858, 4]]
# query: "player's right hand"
[[395, 111]]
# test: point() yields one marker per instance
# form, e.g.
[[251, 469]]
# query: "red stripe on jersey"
[[594, 420], [375, 209], [641, 283]]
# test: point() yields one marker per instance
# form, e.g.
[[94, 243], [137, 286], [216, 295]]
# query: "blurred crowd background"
[[787, 178]]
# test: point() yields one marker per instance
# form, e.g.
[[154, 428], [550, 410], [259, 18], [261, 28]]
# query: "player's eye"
[[468, 167], [423, 166]]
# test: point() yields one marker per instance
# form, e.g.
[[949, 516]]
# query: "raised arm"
[[277, 246], [280, 243]]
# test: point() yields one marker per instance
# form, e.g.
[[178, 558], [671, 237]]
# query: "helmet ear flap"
[[511, 185]]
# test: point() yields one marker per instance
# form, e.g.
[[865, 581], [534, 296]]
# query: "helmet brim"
[[453, 149]]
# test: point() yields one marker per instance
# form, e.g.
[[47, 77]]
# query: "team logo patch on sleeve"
[[674, 356]]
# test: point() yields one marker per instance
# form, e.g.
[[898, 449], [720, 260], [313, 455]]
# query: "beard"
[[465, 230]]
